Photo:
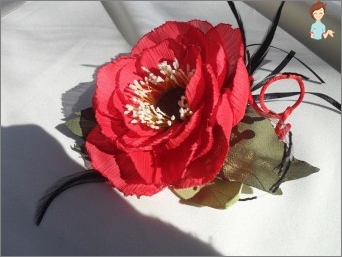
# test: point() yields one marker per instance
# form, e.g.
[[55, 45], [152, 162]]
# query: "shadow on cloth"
[[89, 219]]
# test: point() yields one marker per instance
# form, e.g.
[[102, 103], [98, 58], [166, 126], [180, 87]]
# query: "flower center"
[[158, 100], [168, 102]]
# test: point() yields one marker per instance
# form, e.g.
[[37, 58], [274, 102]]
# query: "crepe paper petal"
[[256, 153], [220, 194], [83, 123]]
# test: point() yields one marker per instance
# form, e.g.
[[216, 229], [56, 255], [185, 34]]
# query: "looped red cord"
[[281, 128]]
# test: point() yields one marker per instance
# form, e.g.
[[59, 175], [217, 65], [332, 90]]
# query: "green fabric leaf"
[[256, 153], [300, 169], [74, 125], [219, 194], [83, 123]]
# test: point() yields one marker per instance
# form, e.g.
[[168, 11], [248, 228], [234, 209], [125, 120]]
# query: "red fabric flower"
[[165, 112]]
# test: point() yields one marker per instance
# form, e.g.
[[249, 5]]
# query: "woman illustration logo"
[[317, 11]]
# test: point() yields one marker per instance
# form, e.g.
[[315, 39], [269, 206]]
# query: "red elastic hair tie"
[[281, 128]]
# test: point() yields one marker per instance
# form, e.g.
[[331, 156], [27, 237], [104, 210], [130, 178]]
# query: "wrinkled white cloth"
[[49, 53]]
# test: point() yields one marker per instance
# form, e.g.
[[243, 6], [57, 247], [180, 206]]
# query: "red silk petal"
[[204, 169], [168, 30], [146, 143], [195, 88], [225, 117], [125, 77], [167, 50], [186, 128], [141, 163], [212, 91], [238, 92], [211, 100], [231, 40], [172, 162], [102, 155], [110, 78], [212, 52], [106, 83], [204, 26]]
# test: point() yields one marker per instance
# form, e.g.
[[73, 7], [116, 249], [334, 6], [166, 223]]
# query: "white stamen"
[[145, 69], [153, 85], [175, 64]]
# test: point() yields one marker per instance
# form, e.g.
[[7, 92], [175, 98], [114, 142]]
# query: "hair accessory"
[[179, 112]]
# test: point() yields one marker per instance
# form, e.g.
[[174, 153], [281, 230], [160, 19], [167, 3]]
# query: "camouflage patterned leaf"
[[256, 153]]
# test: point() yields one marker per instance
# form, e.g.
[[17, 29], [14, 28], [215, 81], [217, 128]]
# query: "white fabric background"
[[49, 48]]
